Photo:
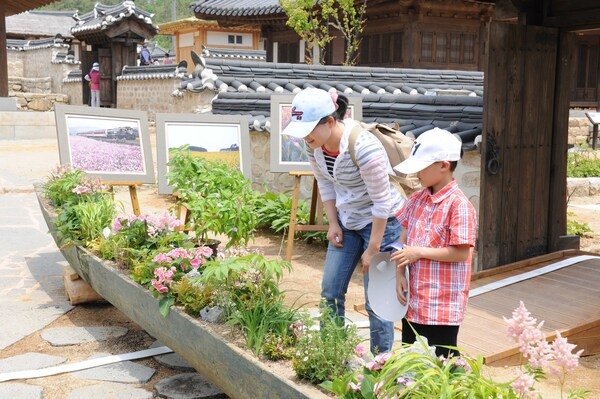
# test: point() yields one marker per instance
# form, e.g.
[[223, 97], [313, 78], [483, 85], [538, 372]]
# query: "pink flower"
[[360, 350], [564, 360], [523, 386]]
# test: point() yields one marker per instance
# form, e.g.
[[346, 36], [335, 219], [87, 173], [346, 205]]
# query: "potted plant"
[[218, 197]]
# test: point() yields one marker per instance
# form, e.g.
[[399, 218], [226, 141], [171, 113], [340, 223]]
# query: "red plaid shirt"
[[438, 290]]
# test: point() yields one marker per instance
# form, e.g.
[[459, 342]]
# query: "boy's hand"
[[405, 256], [401, 286]]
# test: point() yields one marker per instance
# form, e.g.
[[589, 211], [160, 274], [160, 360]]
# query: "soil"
[[303, 285]]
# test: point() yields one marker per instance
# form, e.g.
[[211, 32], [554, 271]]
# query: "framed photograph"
[[223, 137], [112, 144], [289, 153]]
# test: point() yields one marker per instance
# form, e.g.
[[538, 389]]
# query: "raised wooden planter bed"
[[237, 373]]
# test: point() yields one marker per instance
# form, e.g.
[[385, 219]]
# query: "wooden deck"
[[567, 299]]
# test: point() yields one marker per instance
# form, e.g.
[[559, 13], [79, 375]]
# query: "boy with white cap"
[[439, 236], [359, 201]]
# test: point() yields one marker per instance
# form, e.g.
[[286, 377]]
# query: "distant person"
[[168, 60], [94, 78], [145, 55]]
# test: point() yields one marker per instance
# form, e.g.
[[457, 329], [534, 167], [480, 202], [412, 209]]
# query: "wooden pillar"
[[3, 60], [557, 209]]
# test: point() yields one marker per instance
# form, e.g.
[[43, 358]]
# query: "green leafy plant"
[[583, 164], [415, 371], [84, 205], [323, 354], [273, 212], [248, 292], [219, 199], [577, 228]]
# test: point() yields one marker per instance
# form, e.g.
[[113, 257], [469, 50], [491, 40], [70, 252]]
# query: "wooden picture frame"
[[211, 134], [288, 153], [112, 144]]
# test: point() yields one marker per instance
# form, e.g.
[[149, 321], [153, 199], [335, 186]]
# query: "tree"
[[312, 21], [349, 21]]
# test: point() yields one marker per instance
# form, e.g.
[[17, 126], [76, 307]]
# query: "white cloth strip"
[[531, 274], [86, 364]]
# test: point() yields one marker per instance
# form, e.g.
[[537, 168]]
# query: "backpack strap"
[[352, 142]]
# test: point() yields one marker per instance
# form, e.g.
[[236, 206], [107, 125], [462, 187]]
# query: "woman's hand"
[[365, 259], [335, 236]]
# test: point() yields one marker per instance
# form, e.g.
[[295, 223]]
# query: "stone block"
[[578, 187], [35, 132], [594, 186], [7, 132]]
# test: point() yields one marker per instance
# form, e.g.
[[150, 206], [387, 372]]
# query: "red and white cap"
[[308, 108]]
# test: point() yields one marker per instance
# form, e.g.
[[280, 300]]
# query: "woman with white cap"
[[358, 198], [94, 78]]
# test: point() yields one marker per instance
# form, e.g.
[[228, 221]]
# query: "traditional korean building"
[[430, 34], [110, 35], [192, 34]]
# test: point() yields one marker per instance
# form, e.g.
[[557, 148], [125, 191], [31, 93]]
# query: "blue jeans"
[[339, 267]]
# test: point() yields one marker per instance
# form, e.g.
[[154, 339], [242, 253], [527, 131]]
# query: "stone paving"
[[32, 296]]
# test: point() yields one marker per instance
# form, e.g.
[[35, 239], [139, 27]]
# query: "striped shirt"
[[359, 193], [438, 290]]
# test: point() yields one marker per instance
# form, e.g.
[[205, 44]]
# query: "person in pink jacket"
[[94, 78]]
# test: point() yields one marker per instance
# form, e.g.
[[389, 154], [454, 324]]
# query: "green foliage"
[[322, 354], [192, 295], [93, 217], [577, 228], [310, 22], [248, 291], [583, 164], [416, 372], [219, 199], [84, 206], [273, 212], [349, 20]]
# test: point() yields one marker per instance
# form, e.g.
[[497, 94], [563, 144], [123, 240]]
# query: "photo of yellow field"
[[231, 158]]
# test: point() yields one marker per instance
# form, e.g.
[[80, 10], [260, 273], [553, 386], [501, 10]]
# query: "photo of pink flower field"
[[108, 157]]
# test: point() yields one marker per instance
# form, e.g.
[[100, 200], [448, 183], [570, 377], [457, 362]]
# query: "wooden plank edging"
[[235, 372]]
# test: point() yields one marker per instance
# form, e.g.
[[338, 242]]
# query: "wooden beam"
[[3, 61], [557, 207]]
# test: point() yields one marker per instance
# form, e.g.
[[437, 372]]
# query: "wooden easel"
[[315, 221], [135, 204]]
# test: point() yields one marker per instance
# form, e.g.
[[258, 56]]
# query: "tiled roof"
[[415, 99], [236, 8], [152, 72], [103, 16], [25, 45], [40, 24], [259, 55]]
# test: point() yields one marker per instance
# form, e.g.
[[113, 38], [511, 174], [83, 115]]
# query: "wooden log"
[[78, 290]]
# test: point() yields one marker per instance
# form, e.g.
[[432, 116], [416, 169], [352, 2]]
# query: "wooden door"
[[107, 83], [586, 77], [517, 144]]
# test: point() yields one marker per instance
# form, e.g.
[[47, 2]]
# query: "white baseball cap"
[[308, 108], [96, 66], [431, 146]]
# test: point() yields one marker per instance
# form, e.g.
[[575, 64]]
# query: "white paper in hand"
[[382, 288]]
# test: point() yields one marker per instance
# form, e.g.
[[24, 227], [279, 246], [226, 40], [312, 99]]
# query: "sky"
[[211, 136]]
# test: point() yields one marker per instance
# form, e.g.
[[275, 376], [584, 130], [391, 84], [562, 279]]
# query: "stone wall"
[[21, 125], [37, 63], [580, 130], [154, 96]]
